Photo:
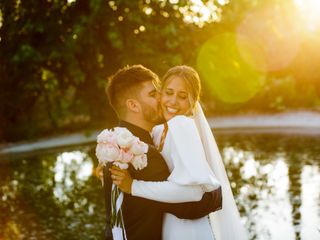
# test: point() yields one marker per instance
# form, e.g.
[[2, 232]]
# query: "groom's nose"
[[158, 96]]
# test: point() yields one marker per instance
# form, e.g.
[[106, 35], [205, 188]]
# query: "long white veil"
[[226, 223]]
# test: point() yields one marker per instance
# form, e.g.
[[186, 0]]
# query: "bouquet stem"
[[116, 219]]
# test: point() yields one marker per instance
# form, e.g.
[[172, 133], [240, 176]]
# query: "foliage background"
[[56, 55]]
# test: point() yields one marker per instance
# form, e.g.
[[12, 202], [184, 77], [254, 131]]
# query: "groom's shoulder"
[[153, 152]]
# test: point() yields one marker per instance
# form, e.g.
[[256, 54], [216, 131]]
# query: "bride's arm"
[[184, 148], [166, 191]]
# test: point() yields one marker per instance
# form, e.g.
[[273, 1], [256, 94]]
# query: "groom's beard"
[[152, 115]]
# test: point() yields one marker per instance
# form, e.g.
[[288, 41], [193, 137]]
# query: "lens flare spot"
[[225, 73], [268, 39]]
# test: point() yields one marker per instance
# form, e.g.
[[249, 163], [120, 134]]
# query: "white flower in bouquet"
[[120, 147], [138, 147], [124, 137], [107, 152], [106, 136], [139, 161]]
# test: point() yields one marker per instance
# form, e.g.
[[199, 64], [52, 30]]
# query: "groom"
[[132, 93]]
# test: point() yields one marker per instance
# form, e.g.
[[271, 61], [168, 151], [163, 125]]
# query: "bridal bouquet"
[[119, 147]]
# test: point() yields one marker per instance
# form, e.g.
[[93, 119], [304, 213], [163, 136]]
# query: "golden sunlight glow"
[[309, 11], [268, 39]]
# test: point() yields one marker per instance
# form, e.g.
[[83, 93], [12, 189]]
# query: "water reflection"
[[52, 196], [70, 168], [310, 221], [270, 193], [275, 180]]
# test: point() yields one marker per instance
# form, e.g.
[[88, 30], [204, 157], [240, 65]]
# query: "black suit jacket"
[[143, 217]]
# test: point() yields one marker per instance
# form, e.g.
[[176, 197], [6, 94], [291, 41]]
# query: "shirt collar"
[[139, 132]]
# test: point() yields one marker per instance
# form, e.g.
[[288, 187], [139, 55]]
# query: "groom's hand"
[[121, 178], [98, 172]]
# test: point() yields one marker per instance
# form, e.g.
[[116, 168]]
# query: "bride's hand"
[[121, 178]]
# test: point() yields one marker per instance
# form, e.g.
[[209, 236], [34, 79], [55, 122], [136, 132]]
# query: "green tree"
[[55, 56]]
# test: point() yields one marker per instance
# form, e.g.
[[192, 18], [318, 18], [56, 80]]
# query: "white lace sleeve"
[[166, 191], [184, 147]]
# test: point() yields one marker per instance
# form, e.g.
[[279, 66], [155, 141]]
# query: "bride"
[[191, 153]]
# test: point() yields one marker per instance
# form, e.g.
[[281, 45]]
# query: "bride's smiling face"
[[175, 98]]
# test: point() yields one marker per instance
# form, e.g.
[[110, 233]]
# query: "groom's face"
[[149, 100]]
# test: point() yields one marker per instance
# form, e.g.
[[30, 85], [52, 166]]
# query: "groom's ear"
[[133, 105]]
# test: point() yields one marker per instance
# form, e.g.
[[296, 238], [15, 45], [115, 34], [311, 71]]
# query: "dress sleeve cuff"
[[134, 187]]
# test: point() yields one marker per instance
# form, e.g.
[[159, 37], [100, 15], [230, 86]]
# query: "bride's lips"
[[171, 110]]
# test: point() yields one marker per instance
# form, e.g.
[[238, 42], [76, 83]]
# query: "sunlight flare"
[[225, 72], [268, 39], [309, 11]]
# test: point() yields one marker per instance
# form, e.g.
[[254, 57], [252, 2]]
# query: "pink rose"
[[107, 136], [107, 152], [139, 147], [139, 162], [126, 156]]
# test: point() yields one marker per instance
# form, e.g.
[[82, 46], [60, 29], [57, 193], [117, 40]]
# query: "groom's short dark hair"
[[126, 83]]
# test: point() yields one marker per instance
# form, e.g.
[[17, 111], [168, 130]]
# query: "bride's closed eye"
[[168, 92], [181, 95]]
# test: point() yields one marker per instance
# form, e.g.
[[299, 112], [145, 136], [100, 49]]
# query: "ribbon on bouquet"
[[117, 223]]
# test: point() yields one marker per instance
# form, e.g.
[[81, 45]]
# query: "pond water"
[[275, 179]]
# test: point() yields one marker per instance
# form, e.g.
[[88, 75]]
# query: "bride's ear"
[[133, 105]]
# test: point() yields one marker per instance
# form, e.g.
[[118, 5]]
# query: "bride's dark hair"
[[191, 78]]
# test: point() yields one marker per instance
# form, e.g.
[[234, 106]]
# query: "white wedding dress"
[[190, 177], [192, 174]]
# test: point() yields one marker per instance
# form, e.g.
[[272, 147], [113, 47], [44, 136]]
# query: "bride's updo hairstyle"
[[190, 77]]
